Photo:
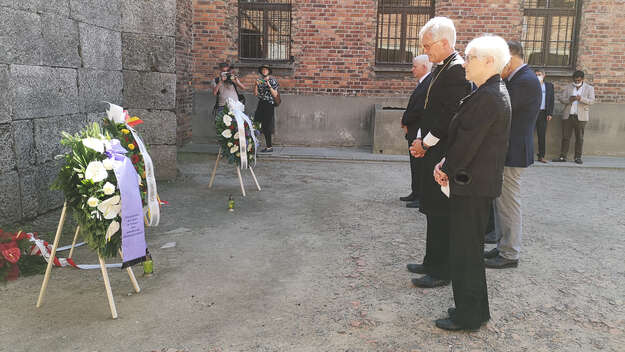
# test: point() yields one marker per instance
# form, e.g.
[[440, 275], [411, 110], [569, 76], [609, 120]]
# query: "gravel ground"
[[316, 262]]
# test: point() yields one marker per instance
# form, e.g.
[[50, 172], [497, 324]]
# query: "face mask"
[[577, 85], [541, 78]]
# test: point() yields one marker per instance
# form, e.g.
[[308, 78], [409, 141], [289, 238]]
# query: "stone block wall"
[[58, 60]]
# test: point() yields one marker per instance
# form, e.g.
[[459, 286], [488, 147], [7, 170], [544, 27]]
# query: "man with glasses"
[[447, 86]]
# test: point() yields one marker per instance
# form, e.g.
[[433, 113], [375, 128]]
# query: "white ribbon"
[[152, 209], [237, 109]]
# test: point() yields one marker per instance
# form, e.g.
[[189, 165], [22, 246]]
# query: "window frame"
[[403, 11], [548, 14], [265, 7]]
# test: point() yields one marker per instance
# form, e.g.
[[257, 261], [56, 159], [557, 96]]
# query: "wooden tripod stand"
[[210, 183], [105, 275]]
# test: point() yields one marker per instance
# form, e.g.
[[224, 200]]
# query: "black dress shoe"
[[448, 324], [452, 314], [492, 253], [427, 281], [408, 198], [578, 161], [414, 204], [500, 262], [561, 159], [416, 268]]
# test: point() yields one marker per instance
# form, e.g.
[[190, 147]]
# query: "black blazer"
[[549, 98], [478, 135], [445, 94], [414, 111], [525, 98]]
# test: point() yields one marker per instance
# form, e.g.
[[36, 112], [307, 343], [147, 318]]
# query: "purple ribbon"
[[133, 230]]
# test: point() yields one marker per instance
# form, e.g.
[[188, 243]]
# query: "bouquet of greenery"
[[90, 189], [229, 135]]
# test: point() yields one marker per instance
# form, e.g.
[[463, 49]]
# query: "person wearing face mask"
[[266, 89], [577, 98], [545, 114]]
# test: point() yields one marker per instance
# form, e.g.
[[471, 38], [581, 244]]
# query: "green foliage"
[[227, 143], [77, 190]]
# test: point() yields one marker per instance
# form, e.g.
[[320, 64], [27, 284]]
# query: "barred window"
[[399, 22], [550, 32], [265, 29]]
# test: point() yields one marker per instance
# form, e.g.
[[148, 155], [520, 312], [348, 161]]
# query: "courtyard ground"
[[316, 262]]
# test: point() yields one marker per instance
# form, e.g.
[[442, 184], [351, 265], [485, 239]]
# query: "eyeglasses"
[[428, 46], [470, 58]]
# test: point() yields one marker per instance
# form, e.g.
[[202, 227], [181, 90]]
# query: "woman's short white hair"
[[490, 46], [440, 28]]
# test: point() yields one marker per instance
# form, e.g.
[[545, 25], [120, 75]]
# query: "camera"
[[228, 77]]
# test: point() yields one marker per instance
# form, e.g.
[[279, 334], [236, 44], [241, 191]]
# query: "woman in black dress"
[[266, 89]]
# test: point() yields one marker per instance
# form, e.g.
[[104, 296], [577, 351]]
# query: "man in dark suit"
[[448, 86], [525, 97], [472, 172], [545, 114], [411, 120]]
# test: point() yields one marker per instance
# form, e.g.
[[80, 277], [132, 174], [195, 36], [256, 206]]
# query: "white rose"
[[227, 120], [93, 202], [229, 144], [112, 229], [231, 113], [226, 133], [94, 143], [238, 154], [236, 135], [96, 172], [108, 164], [234, 149], [108, 188], [110, 208]]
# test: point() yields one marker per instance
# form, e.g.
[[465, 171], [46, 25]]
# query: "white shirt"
[[424, 76], [577, 91]]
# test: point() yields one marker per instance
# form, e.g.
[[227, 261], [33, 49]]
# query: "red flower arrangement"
[[14, 259]]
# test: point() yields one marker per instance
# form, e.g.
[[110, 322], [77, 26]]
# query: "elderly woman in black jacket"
[[471, 174]]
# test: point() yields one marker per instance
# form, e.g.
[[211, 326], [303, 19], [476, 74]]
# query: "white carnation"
[[226, 133], [94, 143], [96, 171], [234, 149], [108, 188], [93, 202]]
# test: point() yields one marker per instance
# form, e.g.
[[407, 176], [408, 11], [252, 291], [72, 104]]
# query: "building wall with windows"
[[345, 56]]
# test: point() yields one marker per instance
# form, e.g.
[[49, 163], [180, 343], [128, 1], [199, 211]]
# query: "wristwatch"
[[425, 147]]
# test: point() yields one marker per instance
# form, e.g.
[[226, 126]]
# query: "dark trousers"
[[468, 220], [436, 259], [541, 132], [415, 173], [265, 114], [568, 126]]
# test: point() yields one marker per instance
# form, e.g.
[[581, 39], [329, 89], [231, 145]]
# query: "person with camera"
[[266, 89], [225, 86]]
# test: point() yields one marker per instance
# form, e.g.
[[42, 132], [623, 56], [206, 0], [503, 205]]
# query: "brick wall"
[[334, 44], [184, 67]]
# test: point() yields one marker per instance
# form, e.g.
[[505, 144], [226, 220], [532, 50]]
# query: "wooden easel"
[[105, 275], [210, 183]]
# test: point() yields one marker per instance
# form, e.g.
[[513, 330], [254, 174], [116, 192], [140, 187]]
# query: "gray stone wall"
[[58, 60]]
